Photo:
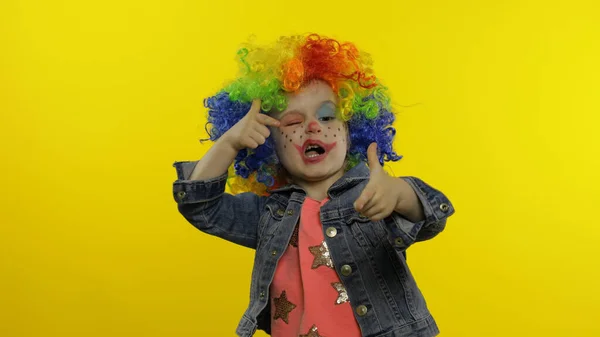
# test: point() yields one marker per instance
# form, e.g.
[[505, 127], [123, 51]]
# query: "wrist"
[[227, 144], [408, 203]]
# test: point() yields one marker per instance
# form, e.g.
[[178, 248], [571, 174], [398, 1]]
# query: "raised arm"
[[200, 186]]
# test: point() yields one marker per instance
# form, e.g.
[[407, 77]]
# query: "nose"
[[313, 127]]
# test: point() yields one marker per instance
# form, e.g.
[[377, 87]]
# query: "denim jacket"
[[369, 256]]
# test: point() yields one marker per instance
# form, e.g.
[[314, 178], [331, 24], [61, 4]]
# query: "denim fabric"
[[378, 278]]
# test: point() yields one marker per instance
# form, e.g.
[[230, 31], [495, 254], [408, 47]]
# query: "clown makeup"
[[311, 142]]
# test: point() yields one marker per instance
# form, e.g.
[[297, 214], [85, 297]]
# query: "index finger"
[[363, 199], [268, 120]]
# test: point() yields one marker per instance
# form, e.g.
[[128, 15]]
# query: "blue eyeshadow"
[[326, 110]]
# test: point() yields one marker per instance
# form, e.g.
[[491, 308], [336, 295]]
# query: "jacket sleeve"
[[205, 205], [437, 208]]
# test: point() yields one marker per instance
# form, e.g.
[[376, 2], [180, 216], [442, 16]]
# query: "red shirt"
[[307, 297]]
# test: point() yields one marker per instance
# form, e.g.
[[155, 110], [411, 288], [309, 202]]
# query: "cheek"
[[286, 138], [335, 133]]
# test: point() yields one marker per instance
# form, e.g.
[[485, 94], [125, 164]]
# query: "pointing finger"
[[364, 197], [268, 120], [371, 204]]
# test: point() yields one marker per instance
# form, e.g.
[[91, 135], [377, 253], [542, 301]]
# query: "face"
[[311, 142]]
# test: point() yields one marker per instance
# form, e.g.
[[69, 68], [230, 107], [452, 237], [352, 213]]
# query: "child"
[[300, 125]]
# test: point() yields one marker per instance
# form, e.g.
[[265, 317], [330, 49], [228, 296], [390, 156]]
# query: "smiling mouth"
[[313, 151]]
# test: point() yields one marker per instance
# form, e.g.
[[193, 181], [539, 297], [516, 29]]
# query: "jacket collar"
[[351, 178]]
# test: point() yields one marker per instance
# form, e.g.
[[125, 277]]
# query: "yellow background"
[[498, 107]]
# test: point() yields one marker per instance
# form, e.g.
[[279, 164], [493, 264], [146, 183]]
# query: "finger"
[[255, 108], [372, 203], [263, 130], [250, 143], [375, 209], [256, 136], [267, 120], [364, 197], [372, 158]]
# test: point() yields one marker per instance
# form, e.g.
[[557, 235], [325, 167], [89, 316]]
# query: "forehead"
[[309, 97]]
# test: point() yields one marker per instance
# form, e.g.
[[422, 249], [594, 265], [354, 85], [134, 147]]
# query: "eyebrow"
[[296, 111]]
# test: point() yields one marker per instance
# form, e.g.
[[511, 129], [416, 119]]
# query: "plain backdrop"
[[497, 105]]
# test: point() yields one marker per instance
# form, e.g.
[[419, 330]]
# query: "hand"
[[251, 131], [383, 193]]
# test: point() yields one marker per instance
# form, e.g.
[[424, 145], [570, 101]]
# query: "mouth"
[[313, 151]]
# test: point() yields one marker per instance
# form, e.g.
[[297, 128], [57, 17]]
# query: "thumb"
[[255, 108], [372, 158]]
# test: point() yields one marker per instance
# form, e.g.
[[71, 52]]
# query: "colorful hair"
[[268, 73]]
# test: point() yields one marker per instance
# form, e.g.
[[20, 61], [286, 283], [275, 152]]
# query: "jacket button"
[[274, 253], [361, 310], [280, 212], [262, 295], [331, 232], [290, 212], [399, 242], [362, 216], [444, 207], [181, 194], [346, 270]]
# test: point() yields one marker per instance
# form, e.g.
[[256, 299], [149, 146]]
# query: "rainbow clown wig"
[[268, 73]]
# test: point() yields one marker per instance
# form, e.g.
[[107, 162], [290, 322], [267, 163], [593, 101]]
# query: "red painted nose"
[[314, 127]]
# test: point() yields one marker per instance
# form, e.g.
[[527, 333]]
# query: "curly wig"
[[269, 72]]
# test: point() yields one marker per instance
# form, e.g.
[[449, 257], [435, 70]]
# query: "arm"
[[422, 213], [215, 162], [436, 208], [200, 186], [205, 205]]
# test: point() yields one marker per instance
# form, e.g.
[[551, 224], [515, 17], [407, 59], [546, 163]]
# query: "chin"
[[318, 172]]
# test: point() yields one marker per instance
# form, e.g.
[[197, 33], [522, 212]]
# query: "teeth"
[[312, 147]]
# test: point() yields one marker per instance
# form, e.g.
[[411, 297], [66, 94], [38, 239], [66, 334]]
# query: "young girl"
[[300, 124]]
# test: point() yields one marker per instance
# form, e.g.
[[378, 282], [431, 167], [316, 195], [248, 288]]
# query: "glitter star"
[[294, 239], [283, 307], [312, 332], [321, 254], [342, 293]]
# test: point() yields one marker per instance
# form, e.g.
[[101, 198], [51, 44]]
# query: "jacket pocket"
[[366, 232], [270, 220]]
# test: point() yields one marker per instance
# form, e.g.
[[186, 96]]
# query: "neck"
[[318, 189]]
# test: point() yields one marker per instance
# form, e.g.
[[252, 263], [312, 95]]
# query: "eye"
[[291, 119], [327, 118], [326, 112]]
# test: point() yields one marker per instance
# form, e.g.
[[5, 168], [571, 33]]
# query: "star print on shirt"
[[312, 332], [342, 293], [294, 239], [321, 254], [283, 307]]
